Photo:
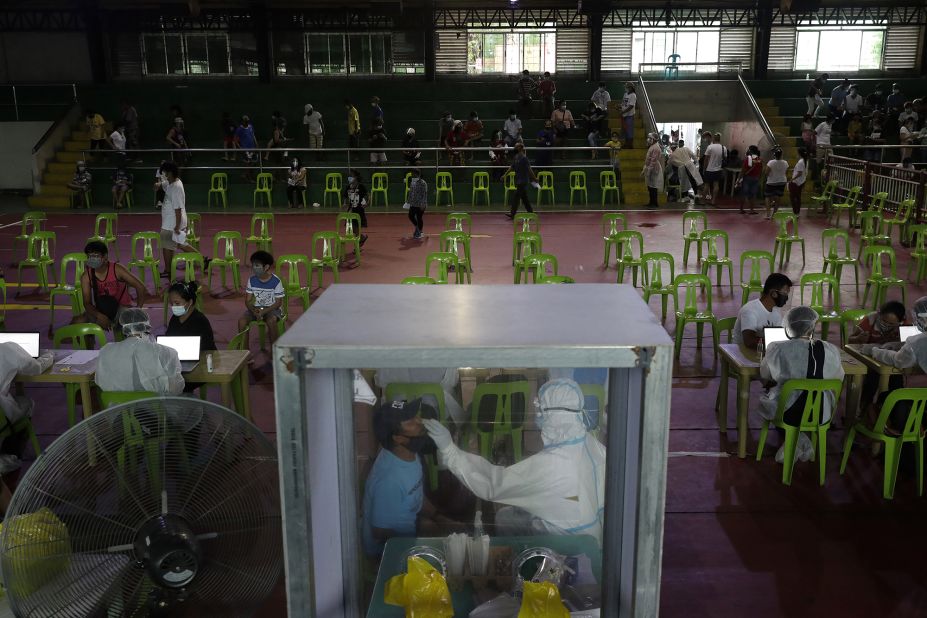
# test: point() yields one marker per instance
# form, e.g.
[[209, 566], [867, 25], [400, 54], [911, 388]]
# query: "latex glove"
[[46, 360], [867, 348], [438, 433]]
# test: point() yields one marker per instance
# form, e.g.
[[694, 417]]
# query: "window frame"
[[350, 66], [513, 47], [862, 29], [671, 44], [185, 61]]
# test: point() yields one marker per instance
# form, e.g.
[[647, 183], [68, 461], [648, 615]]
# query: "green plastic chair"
[[918, 261], [407, 182], [379, 185], [32, 222], [848, 206], [444, 184], [505, 422], [713, 256], [77, 335], [145, 249], [325, 253], [192, 261], [902, 215], [446, 262], [458, 243], [612, 223], [631, 251], [3, 306], [333, 185], [480, 188], [826, 302], [658, 271], [194, 220], [578, 185], [227, 248], [407, 391], [262, 233], [346, 223], [694, 222], [555, 279], [692, 311], [870, 231], [288, 270], [786, 236], [537, 265], [218, 189], [826, 198], [877, 202], [850, 316], [835, 244], [67, 286], [754, 283], [264, 189], [104, 230], [523, 245], [78, 199], [261, 325], [608, 184], [418, 281], [40, 255], [912, 432], [240, 341], [526, 222], [810, 423], [546, 187], [459, 222], [725, 325], [879, 278], [508, 183]]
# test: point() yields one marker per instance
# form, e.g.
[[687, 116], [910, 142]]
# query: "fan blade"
[[164, 501]]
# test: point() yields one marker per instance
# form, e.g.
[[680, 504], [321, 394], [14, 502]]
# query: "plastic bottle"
[[478, 524], [761, 349], [209, 363]]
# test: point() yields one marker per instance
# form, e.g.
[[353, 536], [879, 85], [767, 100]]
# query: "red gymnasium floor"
[[737, 542]]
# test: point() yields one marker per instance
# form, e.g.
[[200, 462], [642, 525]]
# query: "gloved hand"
[[867, 348], [438, 433]]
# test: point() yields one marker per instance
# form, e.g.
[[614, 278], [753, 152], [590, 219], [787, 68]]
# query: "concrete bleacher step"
[[60, 167], [70, 157], [48, 201], [73, 145], [53, 178]]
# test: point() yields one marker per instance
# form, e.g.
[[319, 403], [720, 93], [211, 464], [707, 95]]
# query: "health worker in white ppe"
[[913, 351], [560, 490], [137, 363]]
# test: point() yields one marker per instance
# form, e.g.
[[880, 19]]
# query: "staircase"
[[781, 129], [633, 187], [58, 173]]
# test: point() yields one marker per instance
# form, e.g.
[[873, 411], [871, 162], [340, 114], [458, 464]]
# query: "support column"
[[96, 46], [594, 62], [428, 27], [922, 58], [263, 41], [761, 41]]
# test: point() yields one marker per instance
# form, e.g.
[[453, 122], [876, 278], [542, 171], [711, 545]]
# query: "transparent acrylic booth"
[[548, 411]]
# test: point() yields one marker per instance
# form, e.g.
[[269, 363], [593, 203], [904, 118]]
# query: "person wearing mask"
[[715, 155], [353, 123], [601, 98], [524, 176], [628, 109], [456, 138], [105, 288], [822, 134], [228, 127], [563, 122], [876, 100], [122, 184], [278, 135], [498, 154], [14, 360], [653, 169], [815, 90], [410, 151], [174, 219], [315, 129], [177, 140], [877, 329], [801, 357], [614, 155], [418, 201], [512, 128], [855, 129], [559, 490], [526, 86], [776, 179], [761, 312], [355, 200], [750, 175], [838, 97], [593, 119], [445, 126], [129, 120], [797, 184], [117, 141], [895, 101], [807, 133], [473, 131], [264, 296], [80, 184], [296, 183], [703, 143], [547, 89], [447, 378], [690, 181], [394, 503], [907, 136], [376, 138], [875, 134], [545, 139], [247, 142], [137, 363], [186, 320], [854, 101]]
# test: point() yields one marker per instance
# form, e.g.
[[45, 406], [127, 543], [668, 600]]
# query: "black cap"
[[388, 416]]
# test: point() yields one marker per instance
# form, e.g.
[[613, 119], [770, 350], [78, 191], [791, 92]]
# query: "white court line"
[[697, 454], [6, 225]]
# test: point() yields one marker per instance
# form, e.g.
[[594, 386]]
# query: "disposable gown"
[[563, 485], [788, 360], [653, 167], [913, 352], [15, 360], [139, 365]]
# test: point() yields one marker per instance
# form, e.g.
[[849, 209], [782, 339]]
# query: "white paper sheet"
[[79, 357]]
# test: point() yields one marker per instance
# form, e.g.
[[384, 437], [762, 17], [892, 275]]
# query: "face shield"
[[920, 313], [135, 322], [799, 322]]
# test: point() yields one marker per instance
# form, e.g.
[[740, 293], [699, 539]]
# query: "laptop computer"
[[27, 341], [772, 334], [907, 331], [188, 350]]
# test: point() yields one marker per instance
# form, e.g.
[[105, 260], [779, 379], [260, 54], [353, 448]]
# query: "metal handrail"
[[649, 116], [755, 108], [13, 88], [659, 66]]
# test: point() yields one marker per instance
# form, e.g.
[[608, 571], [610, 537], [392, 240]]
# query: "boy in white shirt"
[[760, 313], [174, 218], [715, 155]]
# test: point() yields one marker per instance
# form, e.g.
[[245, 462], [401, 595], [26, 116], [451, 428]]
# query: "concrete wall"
[[44, 57], [16, 152]]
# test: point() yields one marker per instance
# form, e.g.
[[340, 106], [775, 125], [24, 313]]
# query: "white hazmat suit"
[[137, 363], [562, 487], [14, 360]]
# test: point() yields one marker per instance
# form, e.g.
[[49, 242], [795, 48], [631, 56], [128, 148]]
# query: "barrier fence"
[[900, 184]]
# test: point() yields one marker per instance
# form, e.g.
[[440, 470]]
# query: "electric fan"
[[158, 507]]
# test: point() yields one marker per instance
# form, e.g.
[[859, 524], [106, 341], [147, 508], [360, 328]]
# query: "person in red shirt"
[[546, 90], [750, 175], [455, 138]]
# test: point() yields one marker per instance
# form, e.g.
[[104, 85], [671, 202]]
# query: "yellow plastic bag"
[[421, 590], [542, 601], [37, 548]]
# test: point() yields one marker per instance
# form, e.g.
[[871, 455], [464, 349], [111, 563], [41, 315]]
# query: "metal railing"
[[698, 70], [897, 183], [882, 153], [755, 108], [645, 100], [21, 96]]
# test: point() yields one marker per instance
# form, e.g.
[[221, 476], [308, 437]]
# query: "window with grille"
[[339, 54], [839, 49], [702, 45], [186, 54], [511, 52]]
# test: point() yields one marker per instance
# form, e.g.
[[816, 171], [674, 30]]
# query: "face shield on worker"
[[920, 313], [799, 322], [559, 490], [135, 323]]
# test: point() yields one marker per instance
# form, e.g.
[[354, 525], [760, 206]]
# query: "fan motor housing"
[[169, 550]]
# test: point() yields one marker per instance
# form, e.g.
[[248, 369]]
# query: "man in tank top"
[[105, 288]]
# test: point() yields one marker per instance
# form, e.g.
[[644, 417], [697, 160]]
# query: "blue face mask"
[[178, 310], [350, 180]]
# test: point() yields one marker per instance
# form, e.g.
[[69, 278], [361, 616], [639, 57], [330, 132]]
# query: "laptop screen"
[[27, 341], [188, 348], [772, 334], [907, 331]]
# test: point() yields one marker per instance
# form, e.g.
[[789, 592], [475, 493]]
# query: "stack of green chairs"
[[458, 243], [631, 246], [714, 240], [69, 287], [786, 236]]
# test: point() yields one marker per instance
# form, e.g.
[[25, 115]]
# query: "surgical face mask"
[[884, 326], [417, 444], [95, 262], [258, 270], [895, 90], [294, 164], [512, 116], [781, 299], [178, 310], [350, 180], [474, 117]]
